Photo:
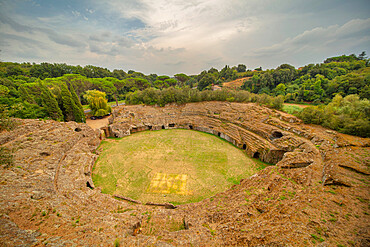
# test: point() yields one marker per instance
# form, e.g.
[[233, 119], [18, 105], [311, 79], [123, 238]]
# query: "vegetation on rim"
[[319, 84]]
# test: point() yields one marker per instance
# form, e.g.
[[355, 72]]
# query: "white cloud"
[[320, 39], [91, 11], [196, 23], [76, 13], [201, 27], [175, 36]]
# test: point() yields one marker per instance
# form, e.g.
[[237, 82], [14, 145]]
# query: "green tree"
[[160, 84], [4, 90], [241, 68], [6, 123], [133, 84], [97, 102], [25, 96], [191, 82], [226, 73], [116, 86], [206, 81], [362, 56], [171, 82], [280, 89], [50, 104], [78, 110], [67, 103], [278, 102], [163, 77], [119, 74], [182, 78], [213, 71]]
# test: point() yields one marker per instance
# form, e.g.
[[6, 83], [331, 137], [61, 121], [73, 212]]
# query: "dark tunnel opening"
[[277, 134], [88, 185]]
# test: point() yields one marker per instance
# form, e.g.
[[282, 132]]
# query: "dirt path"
[[236, 83], [299, 105], [98, 123]]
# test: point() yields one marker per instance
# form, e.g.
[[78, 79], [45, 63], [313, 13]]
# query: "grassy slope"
[[211, 164], [292, 108]]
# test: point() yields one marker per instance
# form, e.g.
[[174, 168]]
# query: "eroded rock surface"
[[317, 193], [263, 133]]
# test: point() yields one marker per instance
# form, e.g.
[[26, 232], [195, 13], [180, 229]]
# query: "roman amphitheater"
[[315, 193]]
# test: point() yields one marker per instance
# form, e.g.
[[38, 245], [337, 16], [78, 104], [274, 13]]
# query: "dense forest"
[[318, 83], [339, 86]]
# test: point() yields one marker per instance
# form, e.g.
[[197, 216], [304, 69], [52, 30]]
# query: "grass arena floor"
[[177, 166]]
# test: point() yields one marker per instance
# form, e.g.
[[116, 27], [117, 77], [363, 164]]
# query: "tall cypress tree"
[[50, 103], [67, 103], [77, 107], [25, 96]]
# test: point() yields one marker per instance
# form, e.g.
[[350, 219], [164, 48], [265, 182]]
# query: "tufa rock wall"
[[47, 198], [257, 130]]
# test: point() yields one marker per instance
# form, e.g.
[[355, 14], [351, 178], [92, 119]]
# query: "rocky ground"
[[316, 194]]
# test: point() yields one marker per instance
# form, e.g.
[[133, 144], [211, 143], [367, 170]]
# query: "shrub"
[[6, 123], [349, 115], [117, 242], [320, 239], [98, 102]]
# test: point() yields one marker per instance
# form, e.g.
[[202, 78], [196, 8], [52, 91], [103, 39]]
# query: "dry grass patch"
[[177, 166]]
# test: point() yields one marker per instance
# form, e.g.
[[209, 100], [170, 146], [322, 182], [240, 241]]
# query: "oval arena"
[[319, 181]]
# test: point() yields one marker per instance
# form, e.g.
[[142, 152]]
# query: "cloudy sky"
[[174, 36]]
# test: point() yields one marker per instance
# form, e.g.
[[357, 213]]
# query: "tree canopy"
[[97, 103], [58, 91]]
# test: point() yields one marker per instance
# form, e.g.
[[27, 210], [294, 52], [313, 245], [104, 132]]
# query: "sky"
[[182, 36]]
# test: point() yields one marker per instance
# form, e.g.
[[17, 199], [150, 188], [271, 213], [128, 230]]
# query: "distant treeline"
[[57, 91], [153, 96], [61, 98], [343, 75], [318, 83]]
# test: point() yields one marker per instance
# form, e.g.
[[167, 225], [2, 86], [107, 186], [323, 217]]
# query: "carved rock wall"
[[247, 126], [46, 199]]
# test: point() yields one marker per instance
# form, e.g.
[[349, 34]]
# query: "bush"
[[97, 103], [117, 242], [6, 123], [349, 115], [278, 102]]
